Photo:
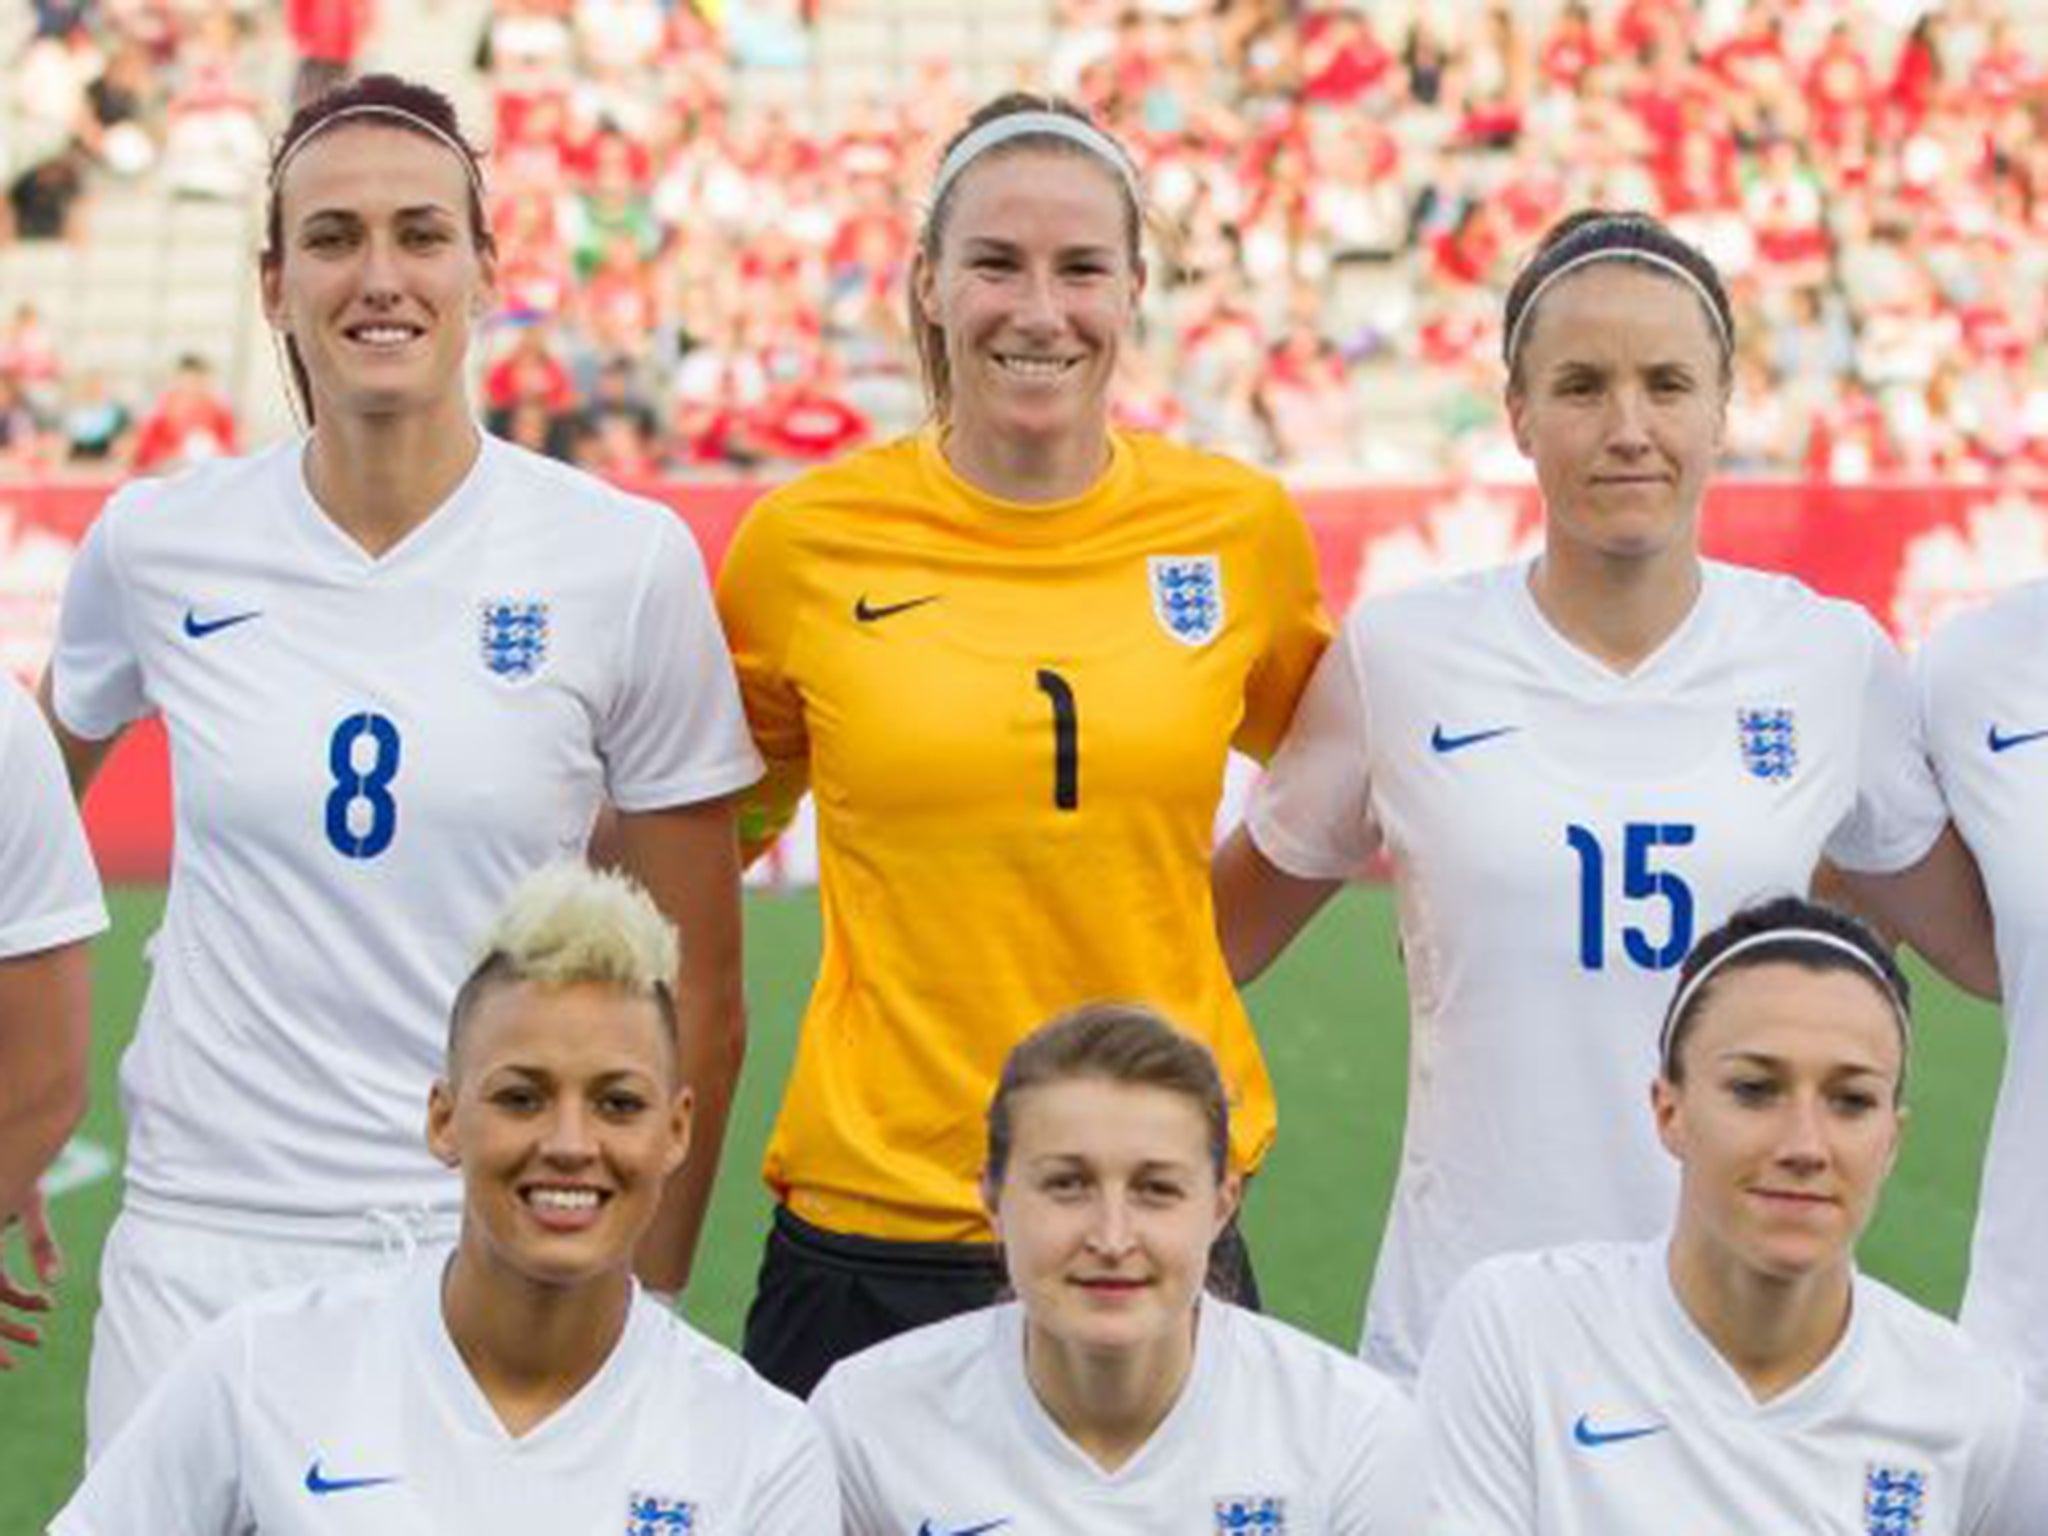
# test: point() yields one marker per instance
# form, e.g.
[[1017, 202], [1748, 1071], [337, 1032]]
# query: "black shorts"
[[825, 1295]]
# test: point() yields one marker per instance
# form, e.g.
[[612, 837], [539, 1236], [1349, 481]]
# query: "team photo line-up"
[[424, 1111]]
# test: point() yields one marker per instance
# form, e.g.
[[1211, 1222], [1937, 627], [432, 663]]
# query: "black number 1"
[[1066, 740]]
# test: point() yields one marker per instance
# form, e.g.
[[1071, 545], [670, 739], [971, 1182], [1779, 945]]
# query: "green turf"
[[1331, 1015]]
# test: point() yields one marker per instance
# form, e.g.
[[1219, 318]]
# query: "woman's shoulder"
[[1300, 1364], [880, 474], [925, 1362], [715, 1378], [1754, 596], [213, 494], [1930, 1359]]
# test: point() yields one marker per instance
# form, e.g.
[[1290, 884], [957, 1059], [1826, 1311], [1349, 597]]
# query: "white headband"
[[460, 150], [1819, 936], [1038, 124], [1619, 253]]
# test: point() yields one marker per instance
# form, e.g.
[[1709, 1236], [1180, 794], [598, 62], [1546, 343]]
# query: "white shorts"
[[166, 1274]]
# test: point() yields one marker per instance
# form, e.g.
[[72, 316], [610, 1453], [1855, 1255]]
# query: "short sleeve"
[[864, 1510], [1475, 1417], [797, 1494], [675, 733], [2015, 1499], [1898, 812], [1299, 631], [176, 1466], [757, 603], [1311, 812], [1376, 1491], [97, 684], [49, 890]]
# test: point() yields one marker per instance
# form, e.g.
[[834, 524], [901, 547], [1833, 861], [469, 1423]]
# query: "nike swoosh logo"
[[1593, 1439], [198, 628], [928, 1529], [1999, 743], [1446, 743], [320, 1486], [867, 615]]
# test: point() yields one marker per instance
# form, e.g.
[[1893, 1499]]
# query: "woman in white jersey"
[[1984, 698], [1738, 1375], [1112, 1394], [1579, 763], [49, 908], [523, 1384], [400, 665]]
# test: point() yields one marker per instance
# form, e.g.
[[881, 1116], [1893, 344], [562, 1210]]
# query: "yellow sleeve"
[[758, 598], [1298, 629]]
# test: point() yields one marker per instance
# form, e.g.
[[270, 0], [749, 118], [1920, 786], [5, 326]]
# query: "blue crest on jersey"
[[1894, 1501], [1770, 743], [514, 635], [655, 1514], [1187, 595], [1261, 1514]]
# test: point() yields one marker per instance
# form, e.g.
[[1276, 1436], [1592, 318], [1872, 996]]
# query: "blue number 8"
[[371, 786]]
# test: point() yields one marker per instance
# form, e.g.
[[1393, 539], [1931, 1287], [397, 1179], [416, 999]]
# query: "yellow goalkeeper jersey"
[[1014, 720]]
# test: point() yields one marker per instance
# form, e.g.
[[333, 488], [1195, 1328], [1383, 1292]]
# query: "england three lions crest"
[[1187, 596], [1894, 1501], [1254, 1514], [1770, 743], [655, 1514], [513, 634]]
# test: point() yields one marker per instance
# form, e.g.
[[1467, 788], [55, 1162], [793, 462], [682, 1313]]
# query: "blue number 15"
[[1641, 881]]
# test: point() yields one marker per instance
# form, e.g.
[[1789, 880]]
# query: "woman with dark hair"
[[1011, 653], [400, 665], [1112, 1394], [1577, 764], [1740, 1370], [523, 1383]]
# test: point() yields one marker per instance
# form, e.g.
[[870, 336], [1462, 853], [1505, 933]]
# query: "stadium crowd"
[[686, 286]]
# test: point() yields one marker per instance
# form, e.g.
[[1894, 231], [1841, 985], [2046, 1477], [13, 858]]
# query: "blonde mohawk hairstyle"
[[567, 924]]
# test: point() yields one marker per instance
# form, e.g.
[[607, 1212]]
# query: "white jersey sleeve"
[[177, 1464], [1898, 811], [96, 672], [862, 1506], [1311, 813], [2020, 1507], [675, 732], [794, 1493], [49, 892], [1475, 1417]]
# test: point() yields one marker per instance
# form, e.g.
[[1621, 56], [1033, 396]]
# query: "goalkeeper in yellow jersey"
[[1009, 655]]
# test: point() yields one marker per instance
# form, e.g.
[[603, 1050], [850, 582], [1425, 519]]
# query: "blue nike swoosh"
[[1999, 743], [320, 1486], [1442, 741], [198, 628], [1593, 1439], [928, 1529]]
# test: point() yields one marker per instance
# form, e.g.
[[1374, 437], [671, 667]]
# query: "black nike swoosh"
[[867, 613], [198, 628], [1999, 743]]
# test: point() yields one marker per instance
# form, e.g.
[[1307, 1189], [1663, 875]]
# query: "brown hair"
[[380, 101], [1125, 1043], [931, 339], [1616, 235]]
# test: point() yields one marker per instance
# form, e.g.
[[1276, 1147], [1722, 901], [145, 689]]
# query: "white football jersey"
[[367, 754], [1560, 836], [938, 1431], [1568, 1393], [49, 891], [344, 1409], [1984, 695]]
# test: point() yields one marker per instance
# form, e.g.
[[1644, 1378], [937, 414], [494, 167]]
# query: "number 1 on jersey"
[[367, 784], [1640, 881], [1066, 740]]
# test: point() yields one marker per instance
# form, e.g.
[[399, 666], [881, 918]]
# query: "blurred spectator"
[[190, 422], [96, 424], [326, 36]]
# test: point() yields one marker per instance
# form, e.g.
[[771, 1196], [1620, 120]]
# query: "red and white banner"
[[1912, 555]]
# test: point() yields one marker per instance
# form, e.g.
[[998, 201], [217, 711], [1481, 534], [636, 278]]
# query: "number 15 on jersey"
[[1655, 913]]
